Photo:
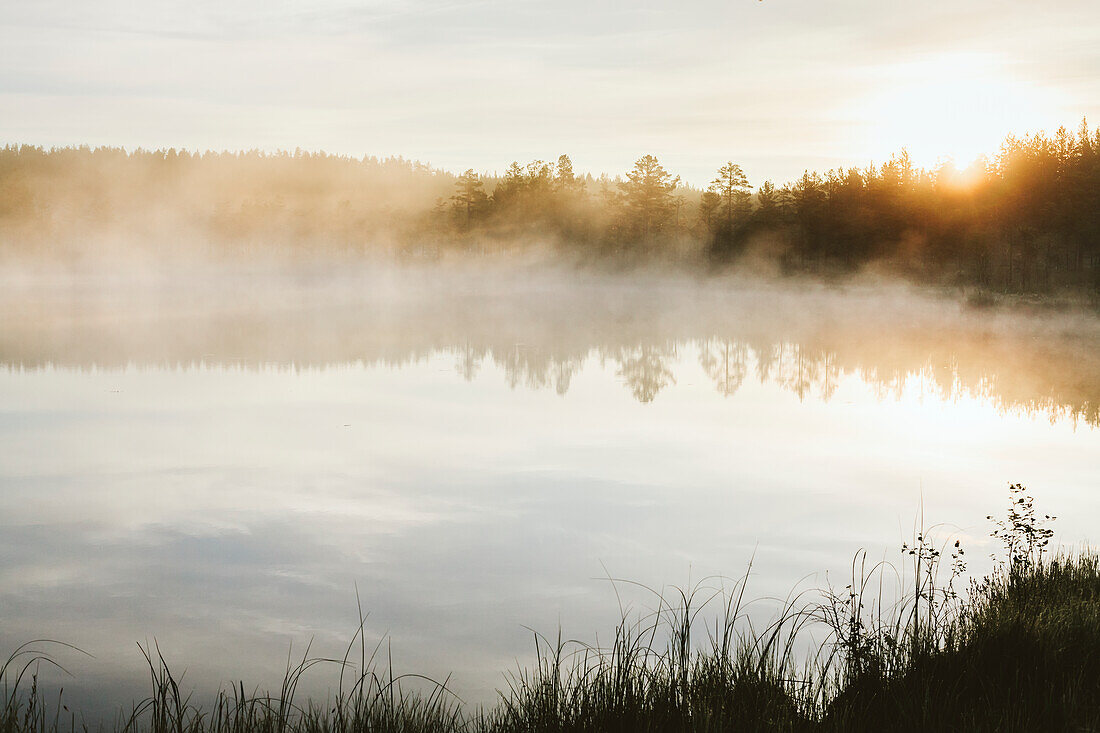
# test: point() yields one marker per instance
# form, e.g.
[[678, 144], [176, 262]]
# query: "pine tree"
[[647, 196], [469, 196], [732, 188]]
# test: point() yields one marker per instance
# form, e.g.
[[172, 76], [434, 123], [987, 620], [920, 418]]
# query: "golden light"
[[957, 106]]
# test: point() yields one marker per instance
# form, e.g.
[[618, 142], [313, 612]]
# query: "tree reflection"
[[1047, 364], [724, 361], [564, 375], [469, 361], [646, 370]]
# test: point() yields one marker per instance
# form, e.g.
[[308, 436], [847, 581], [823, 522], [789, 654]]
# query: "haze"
[[779, 85]]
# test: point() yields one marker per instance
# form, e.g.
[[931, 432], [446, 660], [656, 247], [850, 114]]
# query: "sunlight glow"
[[957, 106]]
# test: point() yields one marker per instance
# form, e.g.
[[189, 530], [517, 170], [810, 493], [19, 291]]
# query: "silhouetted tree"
[[647, 196], [564, 180], [469, 196], [732, 188], [769, 201]]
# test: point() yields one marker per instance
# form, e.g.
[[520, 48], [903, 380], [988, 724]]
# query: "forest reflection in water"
[[540, 329]]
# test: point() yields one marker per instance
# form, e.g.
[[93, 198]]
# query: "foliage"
[[1024, 534]]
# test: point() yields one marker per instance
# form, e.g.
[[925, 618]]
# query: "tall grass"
[[1016, 650]]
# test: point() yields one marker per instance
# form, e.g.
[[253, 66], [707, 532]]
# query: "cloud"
[[479, 83]]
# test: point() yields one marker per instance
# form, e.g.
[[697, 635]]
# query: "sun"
[[957, 106]]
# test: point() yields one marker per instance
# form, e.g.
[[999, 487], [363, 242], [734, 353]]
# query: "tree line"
[[1025, 220]]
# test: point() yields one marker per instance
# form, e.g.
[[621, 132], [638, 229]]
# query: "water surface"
[[222, 464]]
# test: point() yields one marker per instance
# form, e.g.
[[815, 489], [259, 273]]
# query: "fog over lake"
[[220, 460]]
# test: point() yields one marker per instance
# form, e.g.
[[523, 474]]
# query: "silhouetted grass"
[[1023, 654], [1017, 650]]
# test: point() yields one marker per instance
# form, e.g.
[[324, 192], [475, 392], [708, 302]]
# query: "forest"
[[1026, 220]]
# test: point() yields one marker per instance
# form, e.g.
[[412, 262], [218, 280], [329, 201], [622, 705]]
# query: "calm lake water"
[[222, 464]]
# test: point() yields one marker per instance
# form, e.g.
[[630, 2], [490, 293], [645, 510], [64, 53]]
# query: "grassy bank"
[[1016, 650]]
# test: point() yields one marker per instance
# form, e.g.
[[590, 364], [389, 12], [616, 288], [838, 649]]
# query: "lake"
[[223, 462]]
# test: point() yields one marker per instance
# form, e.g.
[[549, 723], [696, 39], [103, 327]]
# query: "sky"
[[777, 86]]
